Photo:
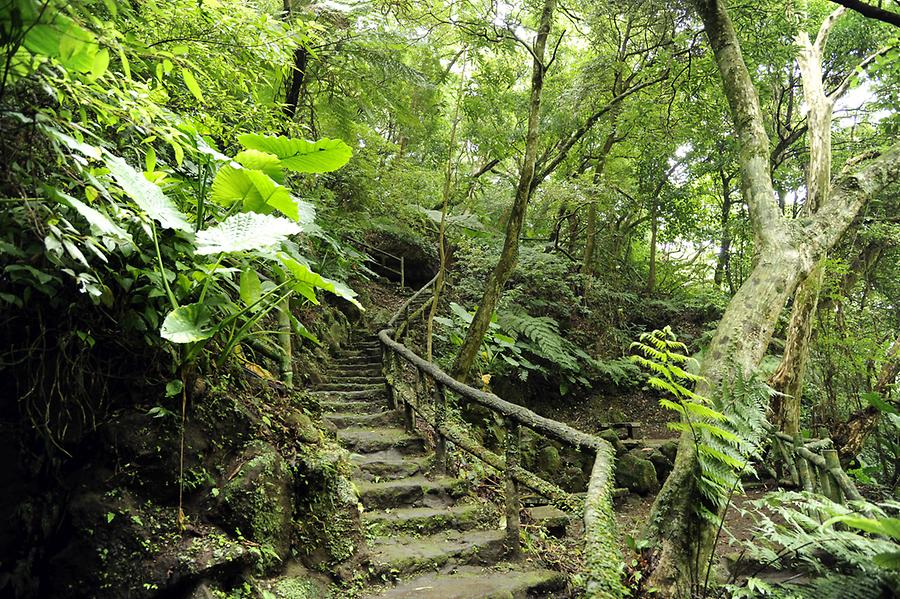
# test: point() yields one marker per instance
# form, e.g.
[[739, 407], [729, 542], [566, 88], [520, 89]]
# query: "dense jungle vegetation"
[[673, 226]]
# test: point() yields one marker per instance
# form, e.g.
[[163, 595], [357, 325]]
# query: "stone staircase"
[[425, 532]]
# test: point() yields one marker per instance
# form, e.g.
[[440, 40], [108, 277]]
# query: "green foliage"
[[726, 431], [825, 542]]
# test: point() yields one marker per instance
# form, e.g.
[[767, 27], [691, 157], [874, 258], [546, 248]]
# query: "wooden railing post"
[[512, 488], [804, 470], [440, 417], [387, 370], [402, 271], [832, 461]]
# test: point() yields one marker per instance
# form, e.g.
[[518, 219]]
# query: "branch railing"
[[814, 465], [429, 401], [386, 260]]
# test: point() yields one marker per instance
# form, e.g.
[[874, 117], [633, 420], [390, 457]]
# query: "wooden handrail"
[[601, 544], [400, 270]]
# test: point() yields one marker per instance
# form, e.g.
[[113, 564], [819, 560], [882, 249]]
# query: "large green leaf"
[[146, 195], [251, 287], [101, 224], [306, 280], [256, 191], [261, 161], [299, 155], [245, 231], [187, 324]]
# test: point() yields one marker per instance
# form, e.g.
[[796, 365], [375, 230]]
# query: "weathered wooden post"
[[832, 462], [440, 417], [512, 488], [803, 468], [402, 271]]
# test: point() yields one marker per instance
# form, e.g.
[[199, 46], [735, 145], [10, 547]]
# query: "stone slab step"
[[363, 361], [374, 419], [374, 394], [388, 465], [365, 440], [472, 582], [414, 491], [353, 406], [355, 378], [371, 354], [406, 554], [349, 387], [465, 516], [365, 371]]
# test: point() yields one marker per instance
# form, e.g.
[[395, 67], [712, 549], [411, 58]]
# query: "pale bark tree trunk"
[[789, 377], [494, 286], [683, 540], [587, 263], [654, 230]]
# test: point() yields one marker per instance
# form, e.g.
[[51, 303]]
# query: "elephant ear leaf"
[[300, 155], [187, 324], [245, 231], [148, 196]]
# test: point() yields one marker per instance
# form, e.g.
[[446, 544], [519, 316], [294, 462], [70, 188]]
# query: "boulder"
[[258, 500], [548, 459], [662, 464], [670, 449], [636, 474], [611, 436], [301, 426]]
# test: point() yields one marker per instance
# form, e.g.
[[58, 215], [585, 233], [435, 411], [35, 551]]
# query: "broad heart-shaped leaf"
[[261, 161], [186, 324], [257, 191], [100, 223], [243, 232], [889, 560], [299, 155], [146, 195], [307, 280]]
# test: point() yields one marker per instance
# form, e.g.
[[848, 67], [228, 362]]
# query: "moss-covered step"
[[367, 371], [407, 554], [358, 379], [372, 353], [365, 440], [357, 361], [363, 394], [472, 582], [354, 406], [388, 465], [464, 516], [371, 420], [341, 386], [415, 491]]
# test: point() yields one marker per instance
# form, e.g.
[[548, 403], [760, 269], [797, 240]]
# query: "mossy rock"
[[636, 474], [296, 583], [258, 500], [302, 427], [670, 449], [611, 436], [548, 459]]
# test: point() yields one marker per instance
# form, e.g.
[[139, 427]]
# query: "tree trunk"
[[494, 286], [298, 72], [284, 341], [587, 265], [654, 229], [683, 540], [725, 228], [788, 378]]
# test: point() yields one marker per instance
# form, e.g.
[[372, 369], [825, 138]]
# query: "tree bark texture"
[[788, 251], [494, 286]]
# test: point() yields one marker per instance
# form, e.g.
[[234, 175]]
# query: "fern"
[[727, 430], [833, 562]]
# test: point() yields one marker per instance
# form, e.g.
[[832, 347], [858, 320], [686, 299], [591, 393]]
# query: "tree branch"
[[871, 12]]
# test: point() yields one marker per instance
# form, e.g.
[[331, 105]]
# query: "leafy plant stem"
[[162, 270]]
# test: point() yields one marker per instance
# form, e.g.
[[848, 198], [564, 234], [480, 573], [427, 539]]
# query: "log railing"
[[431, 388], [813, 465], [385, 260]]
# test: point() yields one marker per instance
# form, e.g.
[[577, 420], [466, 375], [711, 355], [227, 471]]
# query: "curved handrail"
[[601, 546], [402, 309]]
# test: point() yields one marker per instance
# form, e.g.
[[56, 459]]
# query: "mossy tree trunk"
[[494, 286], [788, 251]]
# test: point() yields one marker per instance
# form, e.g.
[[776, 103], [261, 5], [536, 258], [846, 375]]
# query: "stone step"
[[365, 371], [361, 362], [414, 491], [349, 387], [358, 406], [472, 582], [374, 394], [429, 520], [388, 465], [407, 554], [373, 419], [365, 440], [359, 380], [372, 354]]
